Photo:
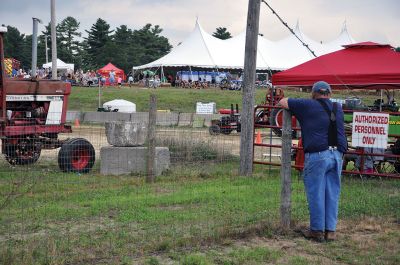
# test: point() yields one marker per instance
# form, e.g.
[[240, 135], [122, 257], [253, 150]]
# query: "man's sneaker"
[[317, 236], [330, 235]]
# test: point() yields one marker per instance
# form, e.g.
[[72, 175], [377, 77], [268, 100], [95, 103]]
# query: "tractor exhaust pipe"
[[2, 76], [34, 45]]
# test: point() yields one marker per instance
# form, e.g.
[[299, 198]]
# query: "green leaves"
[[123, 47], [18, 46]]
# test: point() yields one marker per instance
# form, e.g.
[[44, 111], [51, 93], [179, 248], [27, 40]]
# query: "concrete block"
[[167, 118], [198, 122], [127, 160], [207, 118], [163, 118], [102, 117], [72, 115], [185, 119], [140, 117], [122, 133]]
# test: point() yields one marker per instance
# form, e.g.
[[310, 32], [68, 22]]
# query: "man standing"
[[112, 77], [324, 142]]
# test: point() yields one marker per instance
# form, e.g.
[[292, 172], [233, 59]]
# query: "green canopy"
[[148, 72]]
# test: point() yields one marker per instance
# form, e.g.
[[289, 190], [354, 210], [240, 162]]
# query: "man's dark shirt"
[[314, 123]]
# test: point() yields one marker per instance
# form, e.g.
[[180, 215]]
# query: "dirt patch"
[[355, 238], [63, 228]]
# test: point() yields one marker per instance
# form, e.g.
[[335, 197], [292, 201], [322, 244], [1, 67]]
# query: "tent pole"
[[100, 93], [162, 73]]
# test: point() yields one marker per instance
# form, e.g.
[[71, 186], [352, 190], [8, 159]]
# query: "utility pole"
[[53, 41], [249, 78], [34, 45]]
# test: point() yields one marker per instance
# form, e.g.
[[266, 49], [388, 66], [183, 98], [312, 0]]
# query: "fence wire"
[[50, 214]]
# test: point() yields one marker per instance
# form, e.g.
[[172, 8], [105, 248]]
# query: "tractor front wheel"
[[214, 129], [24, 151], [76, 155]]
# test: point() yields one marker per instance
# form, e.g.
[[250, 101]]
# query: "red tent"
[[361, 65], [105, 71]]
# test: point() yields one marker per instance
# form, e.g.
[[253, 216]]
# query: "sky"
[[321, 20]]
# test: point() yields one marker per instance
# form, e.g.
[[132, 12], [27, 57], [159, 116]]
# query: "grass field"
[[199, 212], [177, 99], [203, 214]]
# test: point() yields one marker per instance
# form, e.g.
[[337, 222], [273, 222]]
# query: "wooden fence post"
[[151, 151], [286, 170], [249, 77]]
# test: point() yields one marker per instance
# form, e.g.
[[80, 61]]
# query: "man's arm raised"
[[284, 103]]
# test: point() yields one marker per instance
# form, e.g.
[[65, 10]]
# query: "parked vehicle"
[[32, 115], [228, 123]]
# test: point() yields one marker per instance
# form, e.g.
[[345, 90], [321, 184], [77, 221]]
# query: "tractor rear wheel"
[[76, 155], [25, 151], [276, 119]]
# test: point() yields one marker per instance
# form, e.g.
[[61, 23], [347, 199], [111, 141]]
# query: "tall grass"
[[179, 99], [70, 218]]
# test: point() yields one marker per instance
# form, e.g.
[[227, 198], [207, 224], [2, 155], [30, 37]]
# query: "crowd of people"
[[22, 73], [79, 77], [142, 78]]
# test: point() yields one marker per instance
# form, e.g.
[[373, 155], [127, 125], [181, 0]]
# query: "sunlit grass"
[[81, 218]]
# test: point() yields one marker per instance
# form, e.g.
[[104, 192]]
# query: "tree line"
[[122, 46]]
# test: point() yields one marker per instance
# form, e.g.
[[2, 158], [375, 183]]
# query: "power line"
[[304, 44], [289, 28]]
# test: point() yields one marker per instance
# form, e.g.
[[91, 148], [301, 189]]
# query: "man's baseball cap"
[[321, 87]]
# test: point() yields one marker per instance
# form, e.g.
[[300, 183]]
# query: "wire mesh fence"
[[51, 214], [54, 212]]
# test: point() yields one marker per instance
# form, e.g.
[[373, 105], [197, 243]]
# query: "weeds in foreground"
[[69, 218]]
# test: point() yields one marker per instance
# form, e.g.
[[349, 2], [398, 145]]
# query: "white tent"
[[344, 37], [60, 65], [201, 49], [120, 105]]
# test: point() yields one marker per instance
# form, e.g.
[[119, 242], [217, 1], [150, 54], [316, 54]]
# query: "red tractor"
[[32, 114], [226, 124], [270, 114]]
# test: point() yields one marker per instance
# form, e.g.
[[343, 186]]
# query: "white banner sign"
[[206, 108], [34, 98], [370, 130]]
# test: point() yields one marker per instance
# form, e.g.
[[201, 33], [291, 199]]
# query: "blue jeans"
[[322, 172]]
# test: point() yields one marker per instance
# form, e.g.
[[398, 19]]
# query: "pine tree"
[[15, 46], [68, 32], [98, 37], [123, 43], [62, 52], [222, 33], [150, 44]]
